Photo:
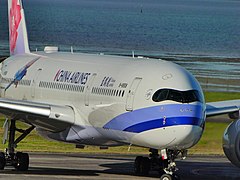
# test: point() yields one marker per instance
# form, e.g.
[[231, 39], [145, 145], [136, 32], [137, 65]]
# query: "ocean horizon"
[[153, 27]]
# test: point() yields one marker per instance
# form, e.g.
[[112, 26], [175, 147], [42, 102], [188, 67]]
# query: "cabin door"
[[88, 89], [131, 93], [35, 82]]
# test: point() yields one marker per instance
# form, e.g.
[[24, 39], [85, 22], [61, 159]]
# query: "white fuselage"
[[111, 97]]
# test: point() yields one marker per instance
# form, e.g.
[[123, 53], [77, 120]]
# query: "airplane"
[[105, 100]]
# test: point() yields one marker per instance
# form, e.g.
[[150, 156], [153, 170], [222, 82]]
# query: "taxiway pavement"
[[104, 166]]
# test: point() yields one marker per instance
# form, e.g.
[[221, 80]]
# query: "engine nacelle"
[[234, 115], [231, 142]]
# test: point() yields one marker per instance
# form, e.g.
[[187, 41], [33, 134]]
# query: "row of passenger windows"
[[69, 87], [61, 86], [108, 92], [23, 82]]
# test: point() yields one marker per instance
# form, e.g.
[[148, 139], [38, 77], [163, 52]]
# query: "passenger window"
[[122, 93]]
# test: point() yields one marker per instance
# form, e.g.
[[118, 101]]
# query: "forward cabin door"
[[88, 89], [35, 82], [131, 93]]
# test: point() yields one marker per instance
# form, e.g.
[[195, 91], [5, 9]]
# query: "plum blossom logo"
[[21, 73], [14, 21]]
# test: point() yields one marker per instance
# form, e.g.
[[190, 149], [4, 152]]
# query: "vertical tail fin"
[[18, 38]]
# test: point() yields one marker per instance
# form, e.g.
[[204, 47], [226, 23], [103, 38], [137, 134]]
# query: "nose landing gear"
[[164, 164]]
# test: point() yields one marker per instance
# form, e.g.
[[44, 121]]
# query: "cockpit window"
[[178, 96]]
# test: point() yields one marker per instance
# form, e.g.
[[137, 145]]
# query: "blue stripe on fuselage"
[[153, 124], [157, 117]]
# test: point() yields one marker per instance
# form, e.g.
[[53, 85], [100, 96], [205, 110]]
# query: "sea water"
[[181, 29]]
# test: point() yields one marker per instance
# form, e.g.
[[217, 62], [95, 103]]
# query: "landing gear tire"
[[142, 165], [22, 161], [164, 164], [2, 161], [145, 166], [166, 177], [169, 177], [137, 163]]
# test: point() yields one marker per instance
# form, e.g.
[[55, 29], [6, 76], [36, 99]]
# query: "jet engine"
[[231, 142]]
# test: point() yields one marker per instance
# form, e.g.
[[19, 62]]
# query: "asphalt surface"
[[83, 166]]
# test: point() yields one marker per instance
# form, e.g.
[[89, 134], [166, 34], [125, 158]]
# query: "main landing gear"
[[164, 164], [18, 160]]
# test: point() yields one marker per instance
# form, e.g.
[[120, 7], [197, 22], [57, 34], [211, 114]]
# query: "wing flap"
[[17, 107], [223, 107], [46, 116]]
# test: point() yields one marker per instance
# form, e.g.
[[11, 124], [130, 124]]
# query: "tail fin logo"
[[14, 21]]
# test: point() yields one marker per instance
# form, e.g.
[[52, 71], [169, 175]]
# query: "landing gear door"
[[131, 93]]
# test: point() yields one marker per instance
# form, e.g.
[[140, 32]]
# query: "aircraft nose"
[[186, 136], [174, 137], [181, 127], [162, 126]]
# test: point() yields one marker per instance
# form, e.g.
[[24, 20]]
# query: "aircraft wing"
[[231, 107], [50, 117]]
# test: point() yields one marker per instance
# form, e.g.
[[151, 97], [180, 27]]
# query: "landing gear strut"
[[18, 160], [164, 164], [170, 166]]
